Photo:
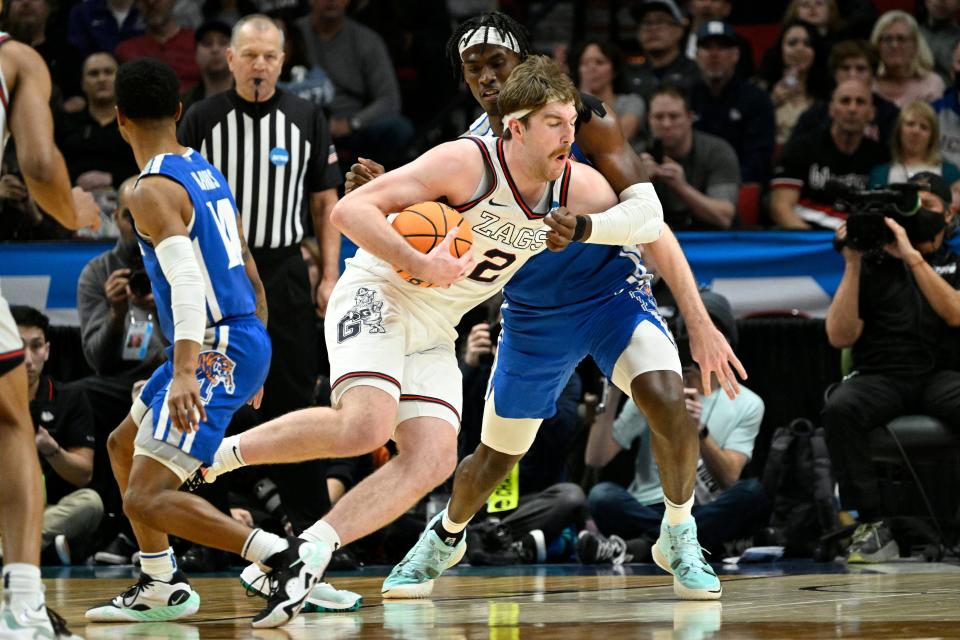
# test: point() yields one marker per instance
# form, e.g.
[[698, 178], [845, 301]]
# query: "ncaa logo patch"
[[279, 156]]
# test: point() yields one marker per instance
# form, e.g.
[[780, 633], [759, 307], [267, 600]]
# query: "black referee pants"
[[293, 373], [862, 403]]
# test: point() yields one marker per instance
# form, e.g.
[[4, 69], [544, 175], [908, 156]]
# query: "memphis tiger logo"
[[367, 310], [214, 369]]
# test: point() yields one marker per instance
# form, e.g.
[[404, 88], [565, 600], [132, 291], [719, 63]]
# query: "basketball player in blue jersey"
[[392, 358], [212, 309], [25, 115], [593, 299]]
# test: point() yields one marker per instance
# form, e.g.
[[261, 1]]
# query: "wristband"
[[704, 432], [580, 229]]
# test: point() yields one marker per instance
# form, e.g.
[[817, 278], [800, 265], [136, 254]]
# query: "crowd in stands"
[[843, 93]]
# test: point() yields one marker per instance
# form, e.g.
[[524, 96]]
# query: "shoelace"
[[253, 589], [689, 551], [194, 482], [863, 533], [425, 553], [608, 549], [58, 623], [130, 595]]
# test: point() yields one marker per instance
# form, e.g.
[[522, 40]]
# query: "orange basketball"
[[425, 225]]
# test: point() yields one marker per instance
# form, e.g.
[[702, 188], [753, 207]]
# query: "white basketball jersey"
[[506, 233]]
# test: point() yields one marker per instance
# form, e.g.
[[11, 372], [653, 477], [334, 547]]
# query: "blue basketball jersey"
[[216, 242], [578, 273]]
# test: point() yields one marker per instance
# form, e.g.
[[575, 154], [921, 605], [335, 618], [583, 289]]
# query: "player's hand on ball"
[[183, 401], [361, 172], [440, 267], [563, 224]]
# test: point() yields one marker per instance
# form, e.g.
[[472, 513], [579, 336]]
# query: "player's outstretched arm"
[[160, 208], [31, 123], [613, 156], [448, 172]]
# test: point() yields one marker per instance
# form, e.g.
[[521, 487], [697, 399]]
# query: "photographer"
[[696, 174], [898, 307], [121, 340]]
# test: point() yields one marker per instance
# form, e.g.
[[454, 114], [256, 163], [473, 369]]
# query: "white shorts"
[[11, 346], [381, 337]]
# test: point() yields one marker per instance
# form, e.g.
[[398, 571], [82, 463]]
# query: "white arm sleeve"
[[636, 220], [179, 265]]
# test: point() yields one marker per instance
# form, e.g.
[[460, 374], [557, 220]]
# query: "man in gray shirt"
[[365, 113], [696, 175]]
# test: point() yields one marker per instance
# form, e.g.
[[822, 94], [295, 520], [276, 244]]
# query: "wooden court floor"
[[899, 600]]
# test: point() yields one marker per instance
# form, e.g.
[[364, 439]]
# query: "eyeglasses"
[[895, 39], [658, 24]]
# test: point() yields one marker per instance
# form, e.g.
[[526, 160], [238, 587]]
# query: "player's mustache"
[[565, 150]]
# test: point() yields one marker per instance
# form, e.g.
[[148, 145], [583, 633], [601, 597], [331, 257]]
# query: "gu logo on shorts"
[[214, 368], [367, 310]]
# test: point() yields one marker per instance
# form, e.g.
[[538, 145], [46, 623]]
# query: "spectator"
[[726, 507], [65, 441], [547, 502], [793, 71], [730, 107], [122, 344], [297, 75], [948, 113], [98, 159], [26, 21], [100, 25], [823, 15], [852, 60], [906, 71], [22, 219], [915, 148], [704, 11], [212, 39], [598, 70], [660, 26], [898, 309], [299, 175], [696, 174], [365, 114], [941, 31], [799, 198], [164, 39], [230, 11]]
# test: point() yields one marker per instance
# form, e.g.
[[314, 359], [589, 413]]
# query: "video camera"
[[866, 209]]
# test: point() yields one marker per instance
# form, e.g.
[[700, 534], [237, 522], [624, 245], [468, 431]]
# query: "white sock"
[[228, 457], [261, 544], [159, 565], [21, 584], [451, 526], [321, 531], [678, 513]]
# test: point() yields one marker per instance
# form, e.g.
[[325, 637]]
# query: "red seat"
[[761, 37], [748, 205]]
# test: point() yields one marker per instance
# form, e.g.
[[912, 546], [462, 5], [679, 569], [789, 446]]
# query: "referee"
[[276, 152]]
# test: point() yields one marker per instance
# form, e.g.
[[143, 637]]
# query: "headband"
[[488, 35]]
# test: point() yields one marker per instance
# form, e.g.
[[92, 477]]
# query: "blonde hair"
[[535, 82], [923, 62], [921, 111]]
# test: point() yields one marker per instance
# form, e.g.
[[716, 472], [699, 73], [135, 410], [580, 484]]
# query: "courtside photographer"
[[898, 308]]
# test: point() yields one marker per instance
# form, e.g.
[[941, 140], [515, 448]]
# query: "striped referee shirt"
[[274, 154]]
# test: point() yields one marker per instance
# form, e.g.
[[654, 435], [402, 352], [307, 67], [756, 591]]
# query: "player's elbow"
[[38, 165], [338, 215]]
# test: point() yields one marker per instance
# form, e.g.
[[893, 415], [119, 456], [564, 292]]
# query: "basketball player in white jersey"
[[25, 115], [391, 344]]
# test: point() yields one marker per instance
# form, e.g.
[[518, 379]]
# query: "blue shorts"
[[234, 362], [540, 347]]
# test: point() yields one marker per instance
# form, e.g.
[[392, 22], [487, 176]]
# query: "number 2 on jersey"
[[496, 260]]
